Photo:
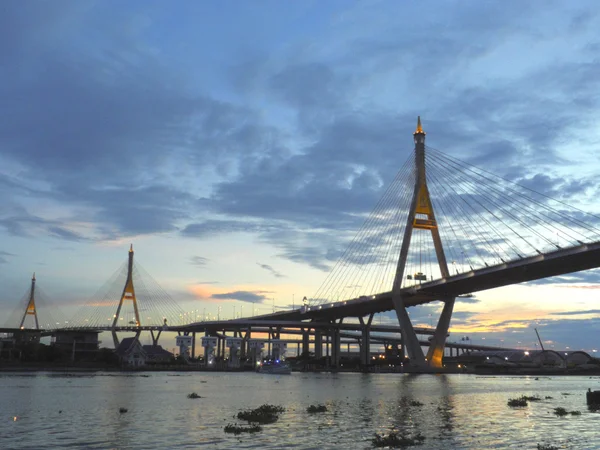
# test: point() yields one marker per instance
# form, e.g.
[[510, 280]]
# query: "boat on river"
[[275, 367]]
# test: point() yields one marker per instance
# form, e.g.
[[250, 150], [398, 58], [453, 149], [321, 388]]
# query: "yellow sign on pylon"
[[424, 208]]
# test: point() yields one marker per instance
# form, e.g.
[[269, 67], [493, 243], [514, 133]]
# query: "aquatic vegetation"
[[397, 439], [316, 409], [193, 395], [517, 402], [533, 398], [548, 397], [415, 403], [546, 447], [263, 414], [575, 413], [239, 429], [560, 411], [122, 410]]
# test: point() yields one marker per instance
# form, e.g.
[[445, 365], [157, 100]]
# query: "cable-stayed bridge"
[[443, 228]]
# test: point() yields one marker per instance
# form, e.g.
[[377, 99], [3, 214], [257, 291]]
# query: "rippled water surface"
[[46, 410]]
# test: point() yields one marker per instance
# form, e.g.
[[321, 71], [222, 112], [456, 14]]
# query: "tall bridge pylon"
[[421, 216], [30, 309], [127, 295]]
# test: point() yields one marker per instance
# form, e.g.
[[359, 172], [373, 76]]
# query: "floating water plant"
[[397, 439], [560, 411], [415, 403], [263, 414], [316, 408], [193, 395], [517, 402], [238, 429], [122, 410], [575, 413], [530, 398], [546, 447]]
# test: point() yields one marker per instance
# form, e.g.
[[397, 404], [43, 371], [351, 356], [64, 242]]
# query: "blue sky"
[[213, 136]]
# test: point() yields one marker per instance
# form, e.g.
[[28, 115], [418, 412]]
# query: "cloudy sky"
[[236, 145]]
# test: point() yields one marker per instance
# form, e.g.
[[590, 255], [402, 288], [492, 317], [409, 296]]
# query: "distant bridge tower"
[[421, 216], [30, 309], [128, 295]]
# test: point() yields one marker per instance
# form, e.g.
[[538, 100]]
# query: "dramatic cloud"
[[243, 296], [270, 269], [3, 260], [470, 300], [199, 261], [577, 313], [285, 138]]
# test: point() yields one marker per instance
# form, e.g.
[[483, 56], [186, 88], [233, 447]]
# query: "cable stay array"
[[483, 220], [23, 316], [154, 304]]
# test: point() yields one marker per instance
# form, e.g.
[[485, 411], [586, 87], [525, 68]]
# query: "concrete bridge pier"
[[193, 344], [365, 342], [318, 344], [336, 348], [435, 353], [244, 344], [410, 343], [327, 345], [305, 341]]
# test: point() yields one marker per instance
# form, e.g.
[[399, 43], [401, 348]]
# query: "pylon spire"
[[128, 294], [30, 310], [419, 129]]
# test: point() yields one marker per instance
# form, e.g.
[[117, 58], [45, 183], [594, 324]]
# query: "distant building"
[[131, 352], [80, 344], [155, 354]]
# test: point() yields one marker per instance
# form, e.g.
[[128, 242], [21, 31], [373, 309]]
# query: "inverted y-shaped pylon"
[[421, 216], [128, 295], [30, 309]]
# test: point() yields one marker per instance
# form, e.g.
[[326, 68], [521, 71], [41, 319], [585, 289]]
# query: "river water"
[[46, 410]]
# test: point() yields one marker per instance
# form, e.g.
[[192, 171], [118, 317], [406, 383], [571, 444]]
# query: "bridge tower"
[[421, 216], [128, 295], [30, 310]]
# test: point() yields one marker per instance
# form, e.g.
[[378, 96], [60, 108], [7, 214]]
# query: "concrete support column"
[[269, 343], [193, 344], [410, 342], [305, 341], [327, 353], [365, 342], [336, 348], [318, 344], [244, 346], [436, 348]]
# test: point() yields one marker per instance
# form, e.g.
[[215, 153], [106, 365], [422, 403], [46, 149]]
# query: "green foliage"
[[316, 408], [264, 414], [546, 447], [560, 411], [397, 439], [517, 402], [575, 413], [239, 429], [533, 398], [193, 395], [415, 403]]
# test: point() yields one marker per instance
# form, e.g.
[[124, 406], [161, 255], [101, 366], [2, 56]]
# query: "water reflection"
[[450, 411]]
